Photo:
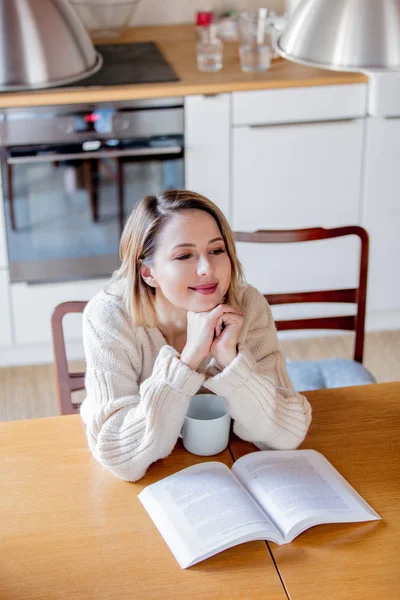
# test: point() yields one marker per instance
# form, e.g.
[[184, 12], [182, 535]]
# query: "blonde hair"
[[139, 241]]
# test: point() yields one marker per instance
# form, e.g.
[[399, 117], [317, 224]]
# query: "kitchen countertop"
[[177, 44]]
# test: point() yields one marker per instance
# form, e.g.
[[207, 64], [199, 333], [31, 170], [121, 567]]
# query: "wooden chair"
[[66, 382], [351, 372]]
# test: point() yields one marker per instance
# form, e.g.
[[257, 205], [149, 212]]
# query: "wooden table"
[[71, 530], [358, 430]]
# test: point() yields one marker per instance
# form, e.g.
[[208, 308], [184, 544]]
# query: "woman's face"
[[191, 268]]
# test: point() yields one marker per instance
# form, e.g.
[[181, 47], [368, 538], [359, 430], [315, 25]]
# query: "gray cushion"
[[330, 373]]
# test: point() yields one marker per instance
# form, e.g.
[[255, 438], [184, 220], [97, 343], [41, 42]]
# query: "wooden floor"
[[29, 392]]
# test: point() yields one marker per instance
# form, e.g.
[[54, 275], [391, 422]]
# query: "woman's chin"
[[204, 304]]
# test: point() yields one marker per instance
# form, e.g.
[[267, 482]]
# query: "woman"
[[177, 316]]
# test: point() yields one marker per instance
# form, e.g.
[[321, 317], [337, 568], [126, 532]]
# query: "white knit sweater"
[[138, 390]]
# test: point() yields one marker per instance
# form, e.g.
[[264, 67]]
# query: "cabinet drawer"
[[384, 94], [33, 306], [293, 105]]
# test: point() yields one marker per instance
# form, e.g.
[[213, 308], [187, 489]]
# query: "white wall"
[[156, 12]]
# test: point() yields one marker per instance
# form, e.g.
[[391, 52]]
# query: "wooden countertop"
[[177, 43]]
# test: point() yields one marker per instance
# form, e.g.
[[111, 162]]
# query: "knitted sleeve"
[[256, 386], [129, 426]]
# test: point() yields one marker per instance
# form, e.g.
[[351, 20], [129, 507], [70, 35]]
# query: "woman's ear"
[[147, 276]]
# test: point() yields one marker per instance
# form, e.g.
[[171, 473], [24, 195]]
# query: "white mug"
[[205, 431]]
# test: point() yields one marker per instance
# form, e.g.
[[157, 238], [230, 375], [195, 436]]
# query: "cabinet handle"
[[327, 122]]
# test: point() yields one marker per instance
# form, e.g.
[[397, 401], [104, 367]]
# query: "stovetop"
[[123, 64]]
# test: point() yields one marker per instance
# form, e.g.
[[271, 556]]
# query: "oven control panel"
[[99, 121], [19, 127]]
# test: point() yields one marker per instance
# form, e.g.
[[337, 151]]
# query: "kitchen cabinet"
[[292, 171], [207, 147], [381, 212], [33, 306], [5, 310], [297, 157], [297, 175], [3, 240]]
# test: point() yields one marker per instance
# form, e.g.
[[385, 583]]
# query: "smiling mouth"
[[205, 289]]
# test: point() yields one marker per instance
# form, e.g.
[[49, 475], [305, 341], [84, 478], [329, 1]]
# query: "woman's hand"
[[202, 328], [224, 346]]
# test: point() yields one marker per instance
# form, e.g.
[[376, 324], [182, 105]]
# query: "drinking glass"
[[255, 58], [209, 48], [254, 40]]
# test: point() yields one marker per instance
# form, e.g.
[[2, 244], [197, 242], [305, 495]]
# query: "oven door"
[[65, 204]]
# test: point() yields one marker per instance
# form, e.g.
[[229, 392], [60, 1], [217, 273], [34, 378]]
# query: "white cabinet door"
[[297, 175], [207, 147], [5, 313], [33, 306], [3, 242], [381, 213]]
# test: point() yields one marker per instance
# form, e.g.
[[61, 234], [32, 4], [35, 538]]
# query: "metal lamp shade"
[[344, 35], [43, 43]]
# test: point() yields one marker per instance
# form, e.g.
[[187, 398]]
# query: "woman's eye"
[[183, 257], [218, 251]]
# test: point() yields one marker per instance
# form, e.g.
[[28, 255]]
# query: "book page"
[[299, 489], [202, 510]]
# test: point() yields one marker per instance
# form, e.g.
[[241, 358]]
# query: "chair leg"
[[120, 175], [90, 175], [108, 171]]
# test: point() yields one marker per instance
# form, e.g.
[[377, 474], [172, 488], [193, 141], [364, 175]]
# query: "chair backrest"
[[66, 382], [353, 295]]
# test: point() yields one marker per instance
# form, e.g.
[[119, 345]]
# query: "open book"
[[270, 495]]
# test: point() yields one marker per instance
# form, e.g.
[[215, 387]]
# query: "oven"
[[72, 174]]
